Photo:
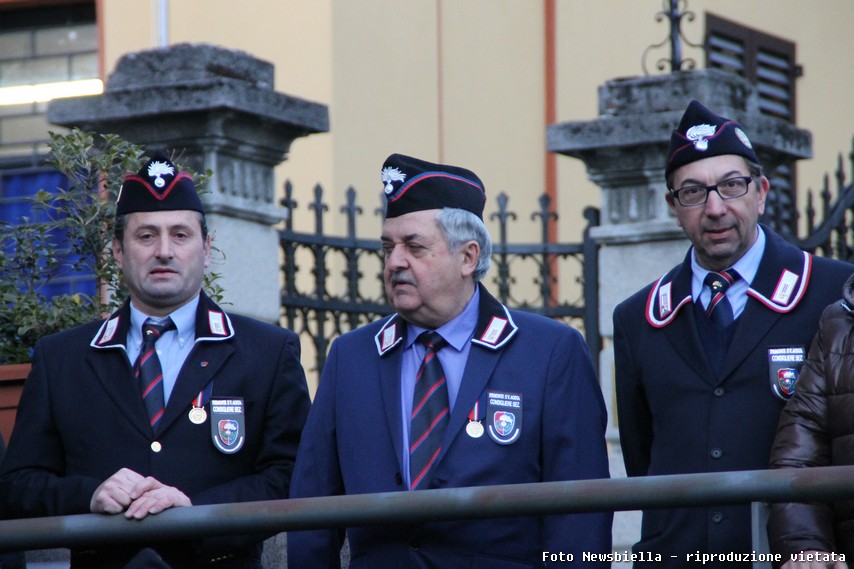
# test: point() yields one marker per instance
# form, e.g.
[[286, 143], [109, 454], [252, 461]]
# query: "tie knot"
[[432, 340], [152, 330], [720, 282]]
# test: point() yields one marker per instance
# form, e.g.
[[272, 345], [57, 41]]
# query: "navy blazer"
[[677, 416], [81, 418], [353, 439]]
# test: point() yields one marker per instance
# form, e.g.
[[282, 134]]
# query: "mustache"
[[401, 278]]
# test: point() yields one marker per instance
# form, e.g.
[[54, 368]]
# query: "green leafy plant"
[[69, 234]]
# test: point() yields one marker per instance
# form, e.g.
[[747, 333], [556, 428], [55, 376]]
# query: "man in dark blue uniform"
[[169, 402], [707, 355], [454, 390]]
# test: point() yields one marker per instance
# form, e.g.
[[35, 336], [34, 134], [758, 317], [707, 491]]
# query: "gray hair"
[[460, 226]]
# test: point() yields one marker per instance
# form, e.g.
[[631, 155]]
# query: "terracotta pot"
[[12, 377]]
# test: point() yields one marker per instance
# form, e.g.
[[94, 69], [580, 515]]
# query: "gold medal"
[[474, 429], [198, 415]]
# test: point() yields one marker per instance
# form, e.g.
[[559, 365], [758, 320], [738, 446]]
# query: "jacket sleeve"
[[633, 414], [32, 477], [574, 446], [317, 473], [803, 440]]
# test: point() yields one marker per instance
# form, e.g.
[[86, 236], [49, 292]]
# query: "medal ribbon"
[[204, 395], [474, 414]]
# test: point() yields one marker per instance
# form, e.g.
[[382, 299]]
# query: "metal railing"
[[547, 498]]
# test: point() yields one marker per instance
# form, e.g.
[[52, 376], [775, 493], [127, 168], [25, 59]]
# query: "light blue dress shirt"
[[173, 346]]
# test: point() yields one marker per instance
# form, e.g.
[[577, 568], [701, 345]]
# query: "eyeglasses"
[[729, 189]]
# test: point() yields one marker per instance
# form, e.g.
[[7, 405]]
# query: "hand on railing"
[[135, 495]]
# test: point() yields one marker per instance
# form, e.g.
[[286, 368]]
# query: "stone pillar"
[[624, 150], [217, 109]]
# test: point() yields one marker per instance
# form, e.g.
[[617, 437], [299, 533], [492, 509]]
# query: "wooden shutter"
[[765, 60]]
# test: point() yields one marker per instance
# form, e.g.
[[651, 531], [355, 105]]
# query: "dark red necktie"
[[147, 370], [430, 410]]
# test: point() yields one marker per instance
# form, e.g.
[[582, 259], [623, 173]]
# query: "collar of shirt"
[[746, 266], [184, 319], [457, 332], [175, 346]]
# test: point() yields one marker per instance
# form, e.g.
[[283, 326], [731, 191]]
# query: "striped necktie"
[[147, 370], [719, 309], [430, 410]]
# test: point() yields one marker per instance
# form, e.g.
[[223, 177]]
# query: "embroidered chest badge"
[[504, 413], [228, 425]]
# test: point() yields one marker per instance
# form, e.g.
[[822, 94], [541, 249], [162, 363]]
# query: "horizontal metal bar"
[[372, 246], [297, 239], [547, 498], [334, 304]]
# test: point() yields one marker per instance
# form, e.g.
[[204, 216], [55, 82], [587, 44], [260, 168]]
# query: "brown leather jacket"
[[817, 429]]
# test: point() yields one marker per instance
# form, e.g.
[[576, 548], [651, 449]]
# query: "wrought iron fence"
[[310, 306], [833, 236]]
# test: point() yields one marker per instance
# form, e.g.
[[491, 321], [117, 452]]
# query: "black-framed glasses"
[[729, 189]]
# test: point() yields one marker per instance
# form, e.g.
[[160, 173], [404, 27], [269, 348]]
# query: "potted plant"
[[68, 235]]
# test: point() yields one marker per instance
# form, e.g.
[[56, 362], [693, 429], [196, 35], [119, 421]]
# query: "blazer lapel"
[[209, 354], [389, 362], [479, 369], [780, 283], [495, 329], [670, 307], [753, 324], [109, 364], [199, 370], [112, 370], [684, 336]]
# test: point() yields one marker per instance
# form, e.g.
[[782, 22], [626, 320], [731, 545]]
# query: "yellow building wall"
[[463, 81]]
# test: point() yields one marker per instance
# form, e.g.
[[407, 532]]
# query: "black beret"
[[703, 134], [411, 185], [158, 186]]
